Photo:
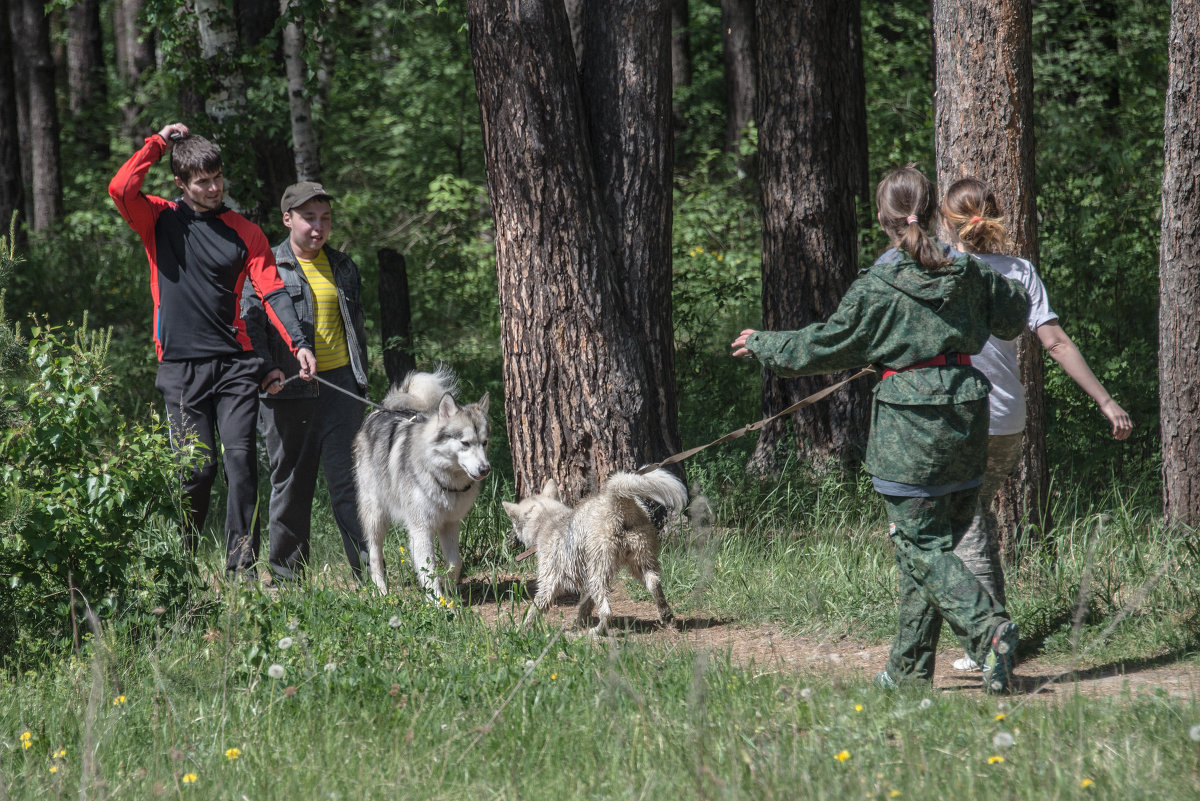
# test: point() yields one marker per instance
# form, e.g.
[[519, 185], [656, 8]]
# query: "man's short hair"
[[194, 155]]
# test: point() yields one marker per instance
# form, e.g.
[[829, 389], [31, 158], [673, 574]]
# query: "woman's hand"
[[1122, 426]]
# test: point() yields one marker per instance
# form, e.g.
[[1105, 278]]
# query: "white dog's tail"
[[659, 486], [422, 392]]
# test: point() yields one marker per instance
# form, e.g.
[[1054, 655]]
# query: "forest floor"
[[769, 647]]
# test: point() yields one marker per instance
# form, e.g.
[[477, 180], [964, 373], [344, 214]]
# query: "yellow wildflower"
[[188, 778], [995, 760], [54, 768], [1086, 783], [894, 794], [120, 699], [553, 676], [233, 753], [858, 707], [842, 756], [60, 753], [1000, 716]]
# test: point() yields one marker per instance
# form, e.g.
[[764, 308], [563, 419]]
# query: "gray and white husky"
[[419, 463], [583, 548]]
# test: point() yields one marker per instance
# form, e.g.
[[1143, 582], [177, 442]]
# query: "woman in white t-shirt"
[[973, 221]]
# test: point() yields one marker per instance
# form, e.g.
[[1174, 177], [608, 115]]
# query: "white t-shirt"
[[998, 359]]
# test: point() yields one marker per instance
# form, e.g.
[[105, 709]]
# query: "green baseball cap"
[[300, 193]]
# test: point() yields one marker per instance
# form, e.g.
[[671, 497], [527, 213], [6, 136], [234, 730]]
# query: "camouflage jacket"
[[928, 426]]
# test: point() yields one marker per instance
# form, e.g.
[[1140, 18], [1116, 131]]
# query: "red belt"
[[942, 360]]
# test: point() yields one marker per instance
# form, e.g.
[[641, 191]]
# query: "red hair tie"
[[912, 218], [976, 219]]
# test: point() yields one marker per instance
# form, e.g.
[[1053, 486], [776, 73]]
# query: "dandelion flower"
[[894, 794], [553, 676], [1004, 740], [120, 699], [188, 778], [285, 643], [60, 753], [842, 755], [1194, 733], [54, 768], [275, 671], [233, 753], [858, 707], [995, 760], [999, 716], [394, 621], [26, 739], [925, 703], [1086, 783]]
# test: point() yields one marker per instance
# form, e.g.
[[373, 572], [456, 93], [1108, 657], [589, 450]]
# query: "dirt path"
[[769, 648]]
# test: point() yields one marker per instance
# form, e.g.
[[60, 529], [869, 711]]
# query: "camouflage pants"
[[935, 584], [980, 546]]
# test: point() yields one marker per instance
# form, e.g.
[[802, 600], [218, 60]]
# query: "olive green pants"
[[935, 584]]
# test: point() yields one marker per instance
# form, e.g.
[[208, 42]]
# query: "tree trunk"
[[577, 404], [681, 57], [984, 128], [738, 44], [304, 133], [395, 316], [626, 84], [575, 13], [219, 48], [34, 44], [85, 71], [12, 189], [1179, 272], [813, 164], [135, 55]]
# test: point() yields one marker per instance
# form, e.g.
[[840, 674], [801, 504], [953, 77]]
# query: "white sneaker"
[[965, 662]]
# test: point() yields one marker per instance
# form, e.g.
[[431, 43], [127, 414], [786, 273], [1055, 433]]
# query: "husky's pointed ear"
[[550, 489], [483, 403], [510, 509], [447, 407]]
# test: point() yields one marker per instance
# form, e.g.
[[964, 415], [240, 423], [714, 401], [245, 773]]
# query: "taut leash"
[[679, 457], [332, 385], [809, 401]]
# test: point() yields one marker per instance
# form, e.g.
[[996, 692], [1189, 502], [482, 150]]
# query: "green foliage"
[[87, 495]]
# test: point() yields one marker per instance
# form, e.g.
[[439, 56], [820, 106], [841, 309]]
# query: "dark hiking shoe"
[[1001, 657]]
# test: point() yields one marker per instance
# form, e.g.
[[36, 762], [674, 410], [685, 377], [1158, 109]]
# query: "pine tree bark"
[[85, 62], [626, 86], [135, 57], [33, 46], [395, 316], [12, 189], [681, 57], [738, 42], [1179, 272], [984, 128], [813, 166], [576, 399]]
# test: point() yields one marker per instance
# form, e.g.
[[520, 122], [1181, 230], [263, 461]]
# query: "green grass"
[[397, 698]]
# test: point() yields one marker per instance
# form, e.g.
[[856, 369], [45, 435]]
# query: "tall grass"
[[399, 698]]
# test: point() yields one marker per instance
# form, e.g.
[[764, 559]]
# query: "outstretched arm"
[[1063, 350]]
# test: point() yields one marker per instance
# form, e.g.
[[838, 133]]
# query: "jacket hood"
[[908, 277]]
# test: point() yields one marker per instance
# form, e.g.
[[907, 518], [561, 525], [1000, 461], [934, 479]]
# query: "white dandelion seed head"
[[806, 693], [330, 667], [1194, 733], [275, 671], [529, 664], [285, 643], [925, 703], [394, 621], [1003, 739], [293, 624]]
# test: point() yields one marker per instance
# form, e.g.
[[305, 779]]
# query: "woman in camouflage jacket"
[[920, 317]]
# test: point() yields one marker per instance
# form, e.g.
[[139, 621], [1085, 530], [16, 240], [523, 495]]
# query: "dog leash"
[[679, 457], [332, 385]]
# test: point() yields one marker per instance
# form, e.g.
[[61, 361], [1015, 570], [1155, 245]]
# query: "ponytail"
[[906, 204], [971, 211]]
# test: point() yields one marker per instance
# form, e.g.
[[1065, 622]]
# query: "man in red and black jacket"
[[201, 254]]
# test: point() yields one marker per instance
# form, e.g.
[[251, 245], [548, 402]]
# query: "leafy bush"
[[89, 503]]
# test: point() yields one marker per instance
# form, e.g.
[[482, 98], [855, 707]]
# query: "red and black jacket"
[[199, 263]]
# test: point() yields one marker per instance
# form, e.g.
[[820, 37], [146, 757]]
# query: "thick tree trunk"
[[681, 57], [813, 164], [219, 48], [577, 404], [12, 189], [135, 56], [738, 44], [34, 46], [626, 84], [984, 128], [575, 12], [1179, 272], [395, 316]]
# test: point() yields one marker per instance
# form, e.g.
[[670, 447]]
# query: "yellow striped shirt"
[[330, 347]]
